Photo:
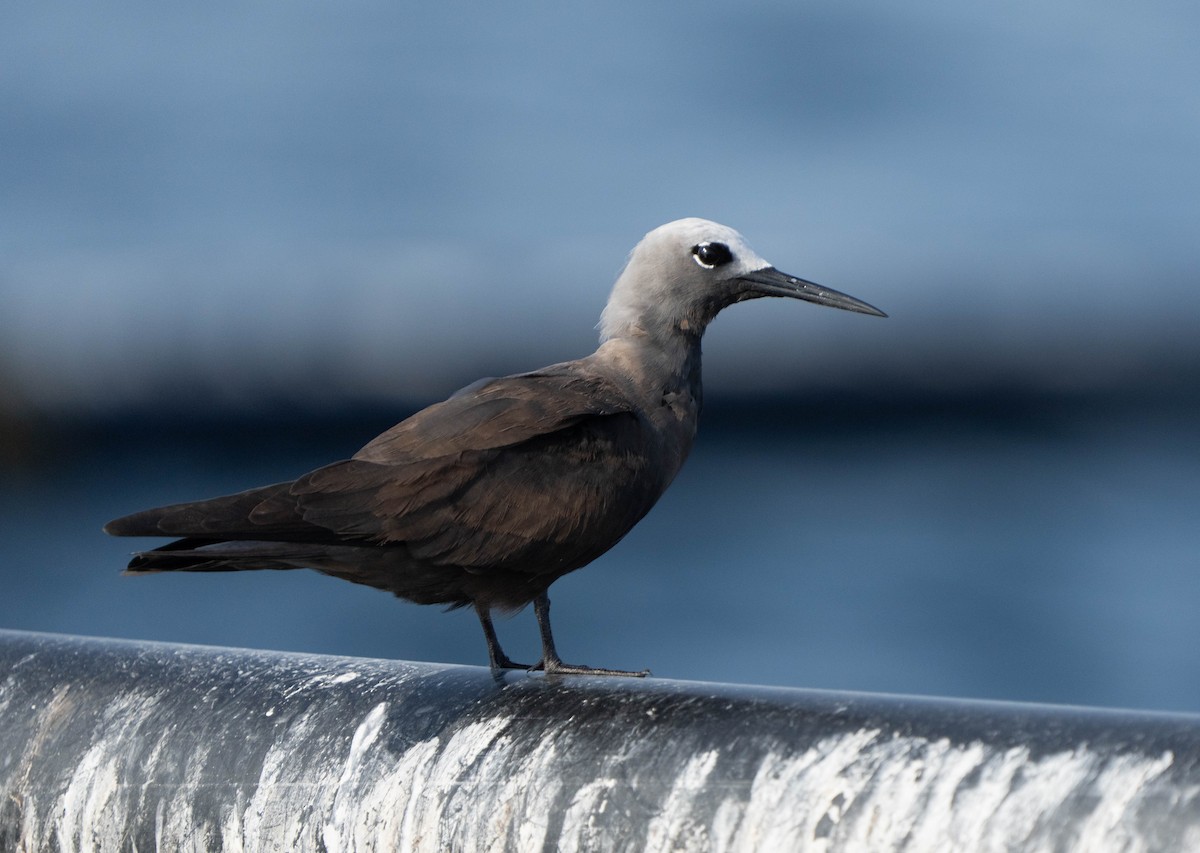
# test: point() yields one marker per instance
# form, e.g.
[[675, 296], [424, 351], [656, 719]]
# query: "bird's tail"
[[226, 517], [206, 555], [217, 535], [226, 534]]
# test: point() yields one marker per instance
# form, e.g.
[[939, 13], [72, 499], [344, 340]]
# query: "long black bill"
[[772, 282]]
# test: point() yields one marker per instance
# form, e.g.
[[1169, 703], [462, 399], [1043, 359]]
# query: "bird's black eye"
[[710, 255]]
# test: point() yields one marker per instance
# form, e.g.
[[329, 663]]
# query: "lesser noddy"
[[487, 498]]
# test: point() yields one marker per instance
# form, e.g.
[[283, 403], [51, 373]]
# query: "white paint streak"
[[321, 681], [438, 809], [790, 796], [90, 809], [231, 831], [679, 824], [177, 821], [995, 772], [515, 780], [1120, 784], [1040, 788], [580, 833], [860, 791], [292, 772], [956, 764], [95, 781], [334, 832], [410, 801]]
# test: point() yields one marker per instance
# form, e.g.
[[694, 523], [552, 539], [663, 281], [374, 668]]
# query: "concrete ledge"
[[115, 745]]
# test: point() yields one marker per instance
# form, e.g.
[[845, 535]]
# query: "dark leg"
[[496, 656], [551, 662]]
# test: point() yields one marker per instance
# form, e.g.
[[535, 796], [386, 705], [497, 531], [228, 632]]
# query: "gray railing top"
[[115, 744]]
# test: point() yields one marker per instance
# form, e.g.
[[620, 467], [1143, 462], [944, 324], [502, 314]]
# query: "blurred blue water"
[[1030, 556]]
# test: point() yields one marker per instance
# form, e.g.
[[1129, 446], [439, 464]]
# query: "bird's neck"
[[663, 364], [662, 374]]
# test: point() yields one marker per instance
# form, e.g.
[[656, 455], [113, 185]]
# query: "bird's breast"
[[675, 424], [682, 407]]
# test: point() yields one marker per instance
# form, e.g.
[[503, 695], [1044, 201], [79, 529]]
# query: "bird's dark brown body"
[[487, 498]]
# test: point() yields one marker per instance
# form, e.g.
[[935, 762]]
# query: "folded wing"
[[537, 473]]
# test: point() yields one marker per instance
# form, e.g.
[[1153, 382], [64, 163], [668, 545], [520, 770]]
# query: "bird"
[[485, 499]]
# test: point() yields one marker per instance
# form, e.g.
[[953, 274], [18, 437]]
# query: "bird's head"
[[682, 273]]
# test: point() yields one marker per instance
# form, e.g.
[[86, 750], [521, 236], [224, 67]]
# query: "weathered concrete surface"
[[113, 745]]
